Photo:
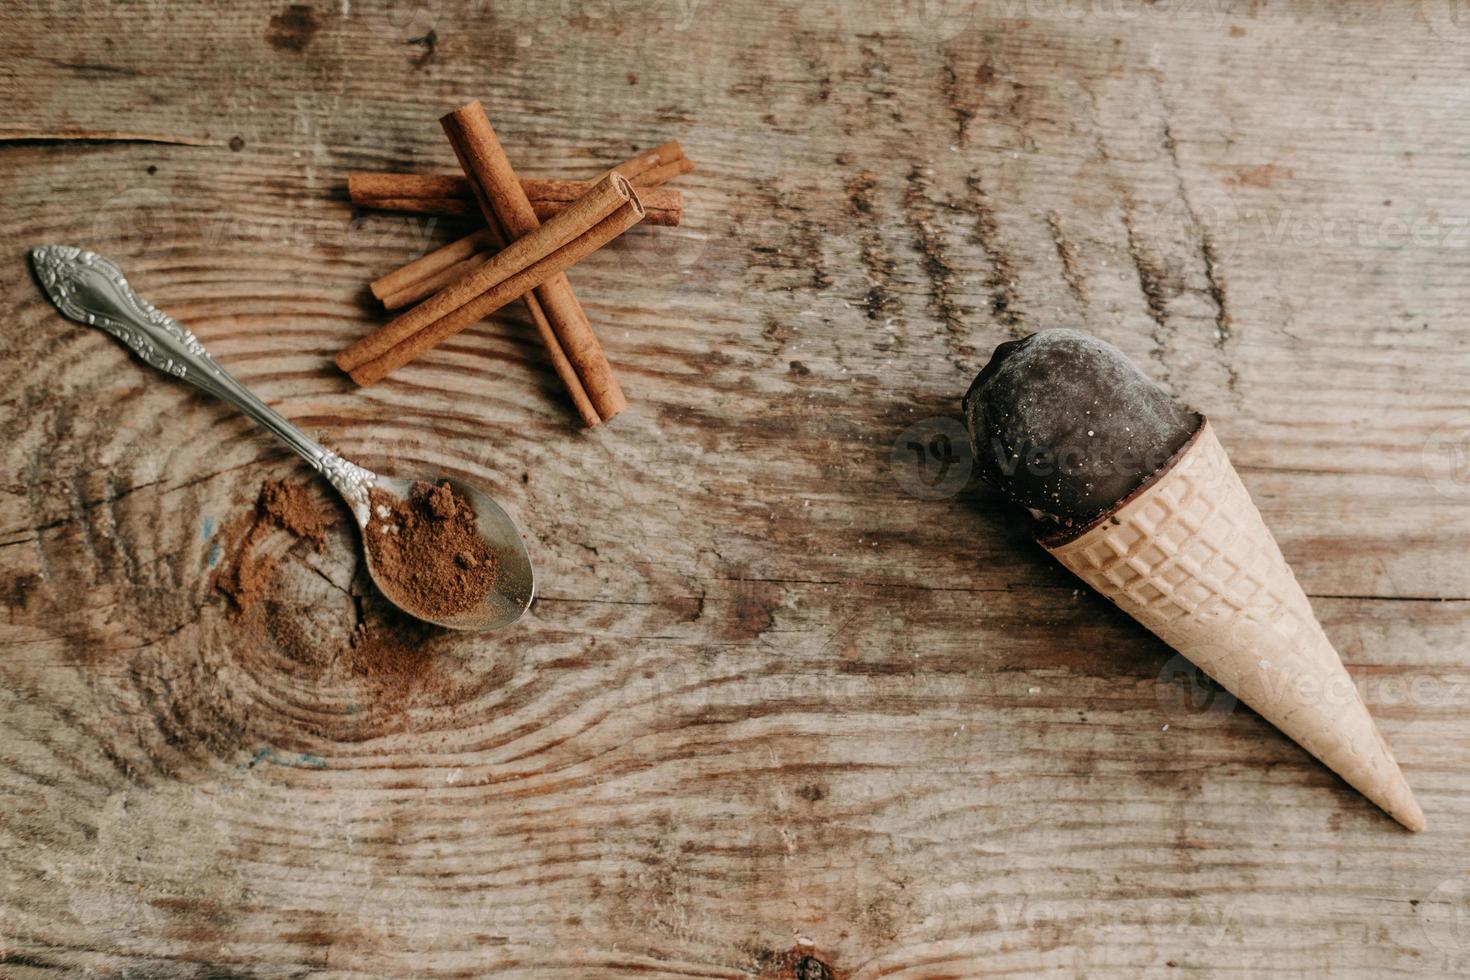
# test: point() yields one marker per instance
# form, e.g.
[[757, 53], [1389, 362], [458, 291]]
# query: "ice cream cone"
[[1188, 556]]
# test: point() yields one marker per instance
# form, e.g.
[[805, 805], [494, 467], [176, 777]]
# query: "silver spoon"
[[90, 289]]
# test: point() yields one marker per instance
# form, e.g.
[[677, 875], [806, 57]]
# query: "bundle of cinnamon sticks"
[[513, 256]]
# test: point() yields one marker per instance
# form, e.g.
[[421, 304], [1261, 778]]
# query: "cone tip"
[[1397, 800], [1413, 819]]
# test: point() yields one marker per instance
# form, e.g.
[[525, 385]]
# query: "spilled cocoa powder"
[[428, 551], [283, 505], [289, 506], [389, 652], [393, 655]]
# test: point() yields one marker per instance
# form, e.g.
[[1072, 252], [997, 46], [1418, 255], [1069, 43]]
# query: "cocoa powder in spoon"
[[428, 551]]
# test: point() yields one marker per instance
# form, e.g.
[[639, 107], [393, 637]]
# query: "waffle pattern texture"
[[1191, 559]]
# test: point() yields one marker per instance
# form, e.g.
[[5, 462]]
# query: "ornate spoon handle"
[[90, 289]]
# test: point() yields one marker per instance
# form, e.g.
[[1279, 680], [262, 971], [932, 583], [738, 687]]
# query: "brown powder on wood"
[[395, 657], [280, 504], [289, 506], [428, 551], [389, 657]]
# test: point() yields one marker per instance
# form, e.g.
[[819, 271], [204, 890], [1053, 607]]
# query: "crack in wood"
[[949, 89], [1370, 597], [95, 69], [1001, 280], [1071, 272], [879, 301], [24, 137], [1214, 280], [921, 211], [82, 508]]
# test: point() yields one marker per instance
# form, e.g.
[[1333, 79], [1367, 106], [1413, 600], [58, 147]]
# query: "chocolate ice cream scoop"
[[1064, 424]]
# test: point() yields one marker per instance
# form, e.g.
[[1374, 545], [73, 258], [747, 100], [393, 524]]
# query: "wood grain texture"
[[780, 710]]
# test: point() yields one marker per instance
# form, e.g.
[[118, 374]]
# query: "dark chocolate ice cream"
[[1064, 424]]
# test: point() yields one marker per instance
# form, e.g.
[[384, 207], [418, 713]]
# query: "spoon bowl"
[[90, 289], [515, 580]]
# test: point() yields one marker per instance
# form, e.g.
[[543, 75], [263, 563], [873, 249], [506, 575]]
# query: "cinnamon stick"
[[664, 172], [503, 200], [650, 160], [665, 207], [428, 286], [605, 212], [559, 362], [426, 276], [363, 187], [577, 220], [433, 263], [452, 196], [448, 207]]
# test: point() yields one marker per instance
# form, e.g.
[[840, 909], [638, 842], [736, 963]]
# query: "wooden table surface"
[[797, 697]]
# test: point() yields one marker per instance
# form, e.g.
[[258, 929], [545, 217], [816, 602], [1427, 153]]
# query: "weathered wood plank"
[[772, 703]]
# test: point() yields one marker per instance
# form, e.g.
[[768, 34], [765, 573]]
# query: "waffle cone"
[[1188, 556]]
